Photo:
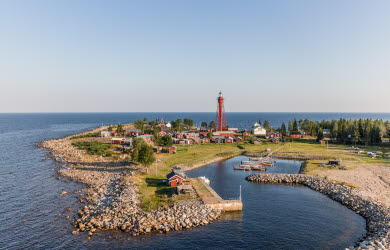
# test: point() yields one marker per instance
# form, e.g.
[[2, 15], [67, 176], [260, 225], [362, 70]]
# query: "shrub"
[[95, 134], [94, 148]]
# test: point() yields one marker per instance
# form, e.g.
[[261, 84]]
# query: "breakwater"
[[377, 216]]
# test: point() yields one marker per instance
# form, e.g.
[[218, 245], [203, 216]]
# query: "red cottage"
[[246, 133], [176, 178], [135, 132], [229, 140], [296, 135], [172, 150]]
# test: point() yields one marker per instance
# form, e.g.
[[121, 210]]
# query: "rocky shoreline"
[[377, 216], [111, 199]]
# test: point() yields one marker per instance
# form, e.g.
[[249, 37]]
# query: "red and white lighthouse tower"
[[221, 119]]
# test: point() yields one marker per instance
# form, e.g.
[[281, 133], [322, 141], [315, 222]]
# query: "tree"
[[203, 124], [177, 125], [356, 134], [136, 147], [259, 122], [266, 125], [210, 135], [212, 124], [166, 140], [188, 122], [146, 156], [142, 153], [119, 129], [295, 126], [320, 135], [110, 128], [283, 130], [140, 125]]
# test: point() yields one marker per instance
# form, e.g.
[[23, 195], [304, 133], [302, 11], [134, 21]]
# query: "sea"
[[33, 213]]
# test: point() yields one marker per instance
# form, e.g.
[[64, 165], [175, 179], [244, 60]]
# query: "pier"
[[212, 199]]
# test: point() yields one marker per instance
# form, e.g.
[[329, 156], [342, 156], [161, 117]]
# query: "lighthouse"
[[221, 119]]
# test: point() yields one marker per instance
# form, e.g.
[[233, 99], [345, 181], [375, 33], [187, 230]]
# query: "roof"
[[117, 139], [105, 132], [143, 136], [135, 130], [178, 173]]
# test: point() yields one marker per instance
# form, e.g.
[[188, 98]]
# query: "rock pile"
[[377, 216]]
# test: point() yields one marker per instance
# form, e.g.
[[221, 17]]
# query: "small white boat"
[[205, 179]]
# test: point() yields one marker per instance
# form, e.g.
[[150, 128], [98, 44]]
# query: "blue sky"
[[107, 56]]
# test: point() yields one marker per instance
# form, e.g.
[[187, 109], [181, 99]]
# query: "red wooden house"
[[274, 135], [134, 132], [246, 133], [205, 140], [172, 150], [229, 139], [176, 178], [178, 135], [146, 138], [117, 140], [296, 135]]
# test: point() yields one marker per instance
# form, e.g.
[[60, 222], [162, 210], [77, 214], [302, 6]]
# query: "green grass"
[[95, 134], [94, 147], [154, 195]]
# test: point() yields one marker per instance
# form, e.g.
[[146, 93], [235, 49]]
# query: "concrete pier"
[[212, 199]]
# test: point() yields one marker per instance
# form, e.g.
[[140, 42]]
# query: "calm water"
[[32, 211]]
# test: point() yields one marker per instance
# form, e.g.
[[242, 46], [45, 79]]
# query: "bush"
[[95, 134], [240, 147], [94, 148]]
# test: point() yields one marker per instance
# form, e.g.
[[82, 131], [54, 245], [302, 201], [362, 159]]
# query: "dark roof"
[[178, 173]]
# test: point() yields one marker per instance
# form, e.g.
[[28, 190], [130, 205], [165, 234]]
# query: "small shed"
[[176, 178]]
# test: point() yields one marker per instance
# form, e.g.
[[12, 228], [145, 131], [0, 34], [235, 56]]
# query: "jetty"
[[211, 199]]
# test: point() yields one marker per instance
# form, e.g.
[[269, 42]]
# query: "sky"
[[175, 56]]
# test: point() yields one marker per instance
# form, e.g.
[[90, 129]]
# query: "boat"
[[205, 179], [259, 168], [267, 163], [255, 159], [239, 168]]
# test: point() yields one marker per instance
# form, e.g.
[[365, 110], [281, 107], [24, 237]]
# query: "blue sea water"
[[32, 210]]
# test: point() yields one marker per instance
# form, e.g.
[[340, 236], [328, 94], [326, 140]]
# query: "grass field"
[[154, 195]]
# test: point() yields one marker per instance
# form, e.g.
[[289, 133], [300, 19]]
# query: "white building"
[[168, 125], [257, 129]]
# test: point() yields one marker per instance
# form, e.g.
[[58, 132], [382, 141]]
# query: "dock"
[[212, 199]]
